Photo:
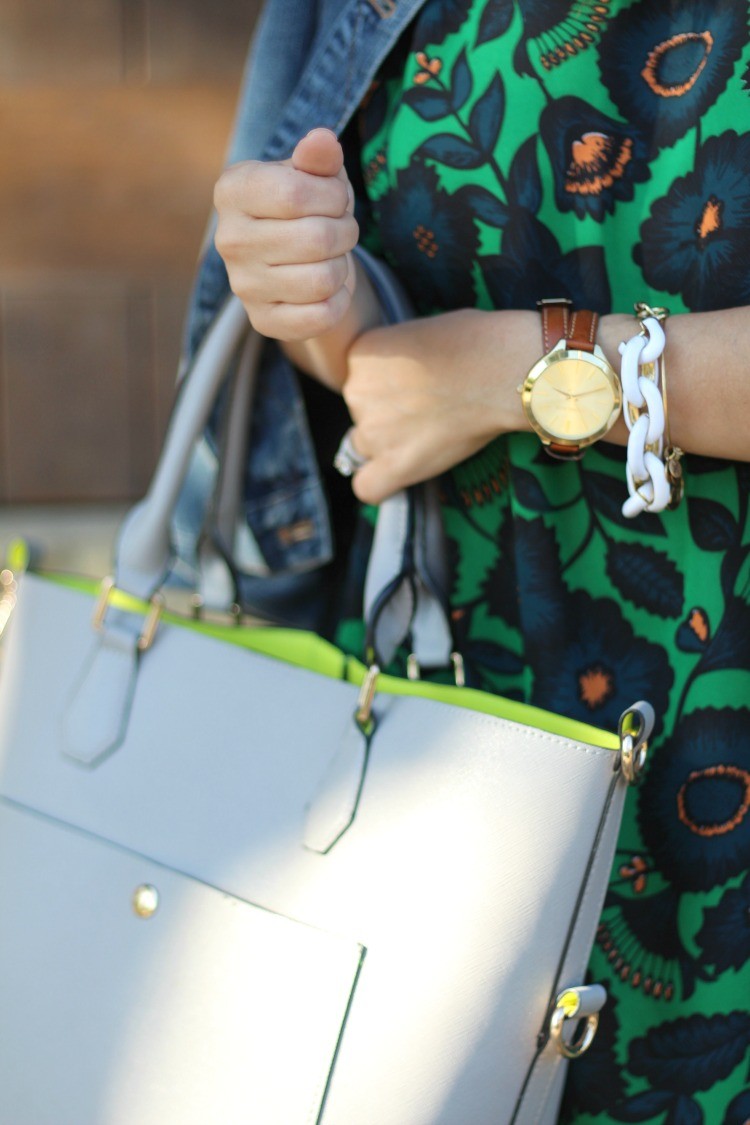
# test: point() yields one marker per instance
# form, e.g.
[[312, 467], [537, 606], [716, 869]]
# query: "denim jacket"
[[310, 64]]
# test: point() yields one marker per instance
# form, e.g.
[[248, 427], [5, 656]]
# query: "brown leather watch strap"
[[555, 314], [582, 328]]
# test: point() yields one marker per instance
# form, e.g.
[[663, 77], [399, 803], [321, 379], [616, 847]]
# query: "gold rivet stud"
[[145, 900]]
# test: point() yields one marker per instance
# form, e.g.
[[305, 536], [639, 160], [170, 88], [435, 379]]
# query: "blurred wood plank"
[[170, 304], [135, 63], [66, 394], [141, 388], [192, 40], [114, 119], [4, 492], [121, 182], [46, 41]]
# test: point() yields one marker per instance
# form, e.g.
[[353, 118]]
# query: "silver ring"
[[347, 461]]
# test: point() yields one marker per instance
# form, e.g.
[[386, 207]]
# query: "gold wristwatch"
[[572, 395]]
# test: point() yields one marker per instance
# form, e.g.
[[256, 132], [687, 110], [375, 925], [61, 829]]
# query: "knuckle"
[[234, 183], [225, 240], [233, 238], [339, 198], [223, 189], [320, 240], [326, 314], [242, 287], [355, 400], [291, 195], [324, 317], [365, 488], [350, 232], [261, 318], [326, 280]]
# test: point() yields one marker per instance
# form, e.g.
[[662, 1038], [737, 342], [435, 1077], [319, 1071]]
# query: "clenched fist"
[[285, 231]]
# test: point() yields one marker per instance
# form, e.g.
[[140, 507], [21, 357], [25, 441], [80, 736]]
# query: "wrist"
[[325, 356], [613, 329], [511, 344]]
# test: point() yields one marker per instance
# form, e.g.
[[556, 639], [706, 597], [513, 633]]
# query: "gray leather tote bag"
[[248, 881]]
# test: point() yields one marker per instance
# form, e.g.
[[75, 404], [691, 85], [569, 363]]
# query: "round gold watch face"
[[572, 396]]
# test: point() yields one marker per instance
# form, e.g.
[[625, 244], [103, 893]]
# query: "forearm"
[[325, 356], [428, 393], [706, 364], [707, 380]]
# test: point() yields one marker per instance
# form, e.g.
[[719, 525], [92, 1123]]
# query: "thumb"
[[319, 153]]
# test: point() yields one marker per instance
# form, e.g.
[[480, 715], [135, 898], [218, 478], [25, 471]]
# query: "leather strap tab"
[[583, 326], [555, 315]]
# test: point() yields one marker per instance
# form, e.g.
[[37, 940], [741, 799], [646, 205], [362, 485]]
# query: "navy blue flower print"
[[738, 1110], [532, 266], [697, 240], [438, 19], [592, 666], [725, 935], [430, 238], [539, 587], [595, 159], [686, 1055], [694, 807], [665, 64]]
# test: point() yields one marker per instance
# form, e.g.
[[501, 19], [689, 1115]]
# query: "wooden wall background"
[[114, 116]]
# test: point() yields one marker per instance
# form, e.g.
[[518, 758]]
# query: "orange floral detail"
[[425, 240], [707, 831], [710, 220], [698, 622], [571, 36], [595, 686], [637, 870], [596, 163], [649, 73], [429, 68]]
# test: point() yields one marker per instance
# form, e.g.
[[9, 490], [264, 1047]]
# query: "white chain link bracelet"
[[653, 484]]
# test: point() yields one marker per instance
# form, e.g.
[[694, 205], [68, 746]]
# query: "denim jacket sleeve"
[[292, 83]]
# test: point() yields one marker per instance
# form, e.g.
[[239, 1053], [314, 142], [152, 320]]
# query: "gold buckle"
[[363, 714], [156, 607]]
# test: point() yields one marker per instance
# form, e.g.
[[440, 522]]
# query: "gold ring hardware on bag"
[[414, 672], [567, 1007], [633, 736], [363, 714], [146, 639]]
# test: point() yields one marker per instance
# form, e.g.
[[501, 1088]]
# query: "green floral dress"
[[600, 150]]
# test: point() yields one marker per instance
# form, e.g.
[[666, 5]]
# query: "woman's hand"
[[426, 394], [285, 231]]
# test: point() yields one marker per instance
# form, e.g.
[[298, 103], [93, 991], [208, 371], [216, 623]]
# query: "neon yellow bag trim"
[[306, 650]]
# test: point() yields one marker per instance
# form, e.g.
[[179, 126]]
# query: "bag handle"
[[96, 719]]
